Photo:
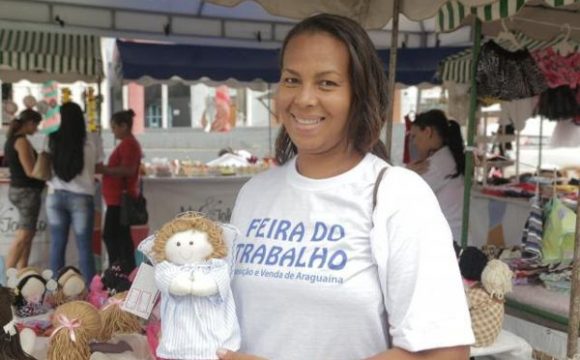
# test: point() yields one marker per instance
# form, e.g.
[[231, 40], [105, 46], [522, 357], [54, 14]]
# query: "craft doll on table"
[[198, 313]]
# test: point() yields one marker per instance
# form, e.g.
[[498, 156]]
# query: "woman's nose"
[[306, 96]]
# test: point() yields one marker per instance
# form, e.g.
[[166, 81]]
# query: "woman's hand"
[[224, 354]]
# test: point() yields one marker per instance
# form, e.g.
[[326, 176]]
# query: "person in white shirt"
[[71, 190], [441, 163], [318, 263]]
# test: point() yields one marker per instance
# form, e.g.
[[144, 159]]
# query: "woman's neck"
[[326, 166]]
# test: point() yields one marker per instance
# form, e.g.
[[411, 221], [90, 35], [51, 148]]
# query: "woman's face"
[[314, 94], [31, 127], [422, 140], [119, 130]]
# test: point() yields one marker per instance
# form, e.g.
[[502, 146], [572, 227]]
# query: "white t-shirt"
[[83, 183], [449, 191], [313, 277]]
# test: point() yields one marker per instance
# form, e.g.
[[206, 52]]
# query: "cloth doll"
[[71, 286], [197, 307], [115, 279], [32, 290], [117, 321], [486, 302], [10, 342], [75, 323]]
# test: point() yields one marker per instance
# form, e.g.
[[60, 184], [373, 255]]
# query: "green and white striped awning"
[[453, 14], [457, 67], [41, 56]]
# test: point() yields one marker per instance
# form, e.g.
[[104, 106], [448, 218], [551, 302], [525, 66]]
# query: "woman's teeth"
[[307, 121]]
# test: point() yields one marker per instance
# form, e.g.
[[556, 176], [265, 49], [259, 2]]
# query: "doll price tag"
[[143, 293]]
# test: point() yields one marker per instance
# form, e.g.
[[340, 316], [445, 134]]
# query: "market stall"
[[39, 57], [542, 31]]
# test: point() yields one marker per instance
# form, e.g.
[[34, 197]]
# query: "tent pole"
[[391, 80], [469, 153], [575, 292]]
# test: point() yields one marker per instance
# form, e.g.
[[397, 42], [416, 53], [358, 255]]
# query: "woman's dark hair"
[[367, 79], [450, 133], [10, 346], [124, 117], [24, 117], [67, 143]]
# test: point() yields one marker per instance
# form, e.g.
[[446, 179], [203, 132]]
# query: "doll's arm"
[[204, 285], [169, 279], [217, 282]]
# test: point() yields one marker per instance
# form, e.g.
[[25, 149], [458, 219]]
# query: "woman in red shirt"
[[120, 173]]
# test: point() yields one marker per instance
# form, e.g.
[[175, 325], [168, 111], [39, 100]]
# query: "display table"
[[214, 196], [496, 220], [39, 255]]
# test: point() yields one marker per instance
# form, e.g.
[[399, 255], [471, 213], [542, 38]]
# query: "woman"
[[318, 266], [121, 173], [71, 191], [25, 193], [441, 163]]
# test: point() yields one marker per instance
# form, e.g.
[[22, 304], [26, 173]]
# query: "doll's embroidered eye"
[[191, 243], [178, 243]]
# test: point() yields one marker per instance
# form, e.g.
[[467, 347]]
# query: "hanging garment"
[[558, 70], [516, 112], [458, 101], [506, 75], [565, 134], [559, 232], [558, 104], [533, 231]]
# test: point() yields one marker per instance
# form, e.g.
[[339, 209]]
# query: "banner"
[[213, 196]]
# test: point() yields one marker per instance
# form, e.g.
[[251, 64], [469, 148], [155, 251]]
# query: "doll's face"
[[33, 290], [188, 247]]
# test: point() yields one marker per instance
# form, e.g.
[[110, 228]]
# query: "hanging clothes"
[[458, 101], [559, 103], [558, 70], [517, 112], [533, 232], [565, 134], [506, 75]]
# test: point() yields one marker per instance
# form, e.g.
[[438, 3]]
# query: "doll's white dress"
[[194, 327]]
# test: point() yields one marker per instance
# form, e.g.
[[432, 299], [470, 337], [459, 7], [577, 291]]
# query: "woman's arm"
[[450, 353], [25, 155]]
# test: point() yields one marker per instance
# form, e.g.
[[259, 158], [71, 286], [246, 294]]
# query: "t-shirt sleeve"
[[418, 271]]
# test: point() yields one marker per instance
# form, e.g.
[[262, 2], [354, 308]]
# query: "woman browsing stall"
[[318, 265], [25, 192], [120, 174], [441, 163]]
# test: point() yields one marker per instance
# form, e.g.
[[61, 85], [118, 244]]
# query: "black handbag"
[[133, 210]]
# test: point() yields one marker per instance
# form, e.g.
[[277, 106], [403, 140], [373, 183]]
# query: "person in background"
[[71, 190], [25, 192], [216, 117], [120, 173], [441, 163], [319, 264]]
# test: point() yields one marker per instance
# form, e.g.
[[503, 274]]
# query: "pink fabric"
[[558, 70]]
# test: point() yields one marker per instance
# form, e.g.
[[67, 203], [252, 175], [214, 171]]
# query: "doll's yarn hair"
[[190, 221], [497, 278], [64, 275], [117, 321], [75, 323], [10, 347]]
